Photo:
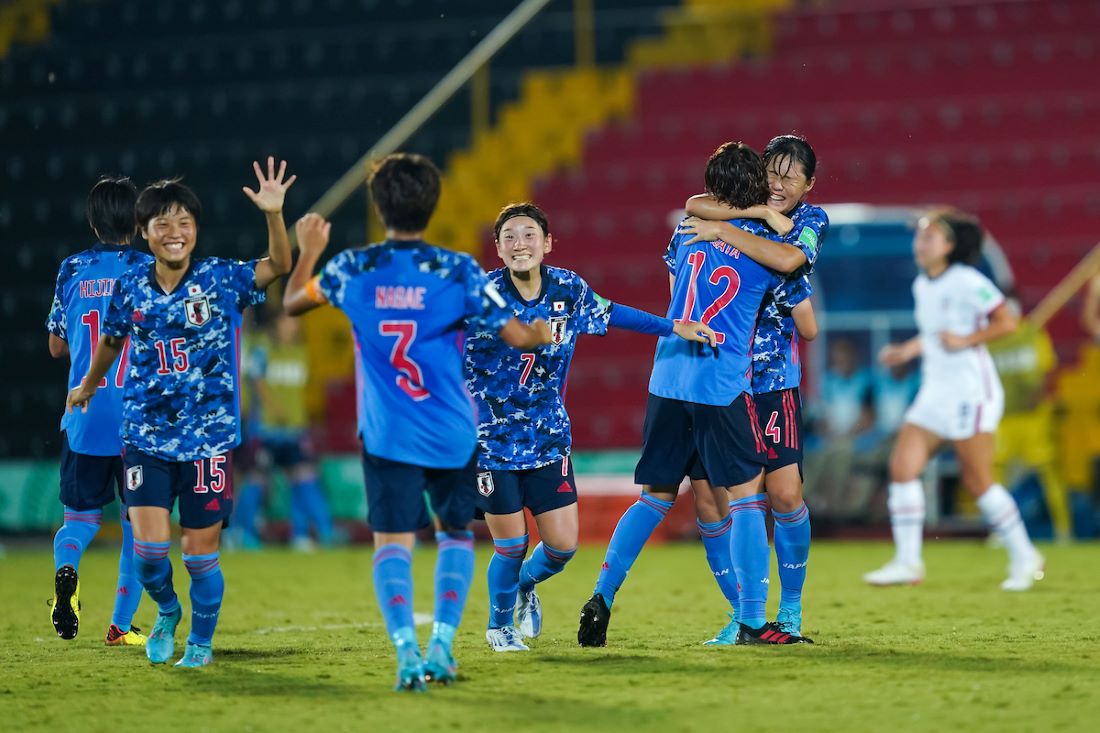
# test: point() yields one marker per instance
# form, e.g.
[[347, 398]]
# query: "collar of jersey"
[[511, 286], [404, 243], [104, 247], [156, 286]]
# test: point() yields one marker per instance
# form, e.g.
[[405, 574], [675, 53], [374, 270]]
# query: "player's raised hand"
[[702, 229], [695, 331], [272, 189], [313, 233]]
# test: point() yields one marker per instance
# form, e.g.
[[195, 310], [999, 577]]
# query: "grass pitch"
[[301, 646]]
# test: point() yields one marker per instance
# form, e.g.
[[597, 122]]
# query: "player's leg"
[[714, 522], [249, 499], [304, 482], [500, 499], [914, 447], [122, 632], [999, 510]]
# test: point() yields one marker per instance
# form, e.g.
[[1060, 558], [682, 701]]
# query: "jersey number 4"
[[722, 272], [411, 377], [91, 320]]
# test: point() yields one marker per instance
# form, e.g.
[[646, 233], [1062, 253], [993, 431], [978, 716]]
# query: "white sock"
[[1003, 516], [906, 505]]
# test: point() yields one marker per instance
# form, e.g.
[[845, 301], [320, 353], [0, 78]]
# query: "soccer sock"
[[128, 594], [503, 577], [393, 586], [246, 509], [750, 555], [792, 552], [207, 589], [631, 533], [155, 573], [454, 571], [299, 512], [906, 505], [74, 536], [716, 543], [316, 509], [545, 562], [1003, 516]]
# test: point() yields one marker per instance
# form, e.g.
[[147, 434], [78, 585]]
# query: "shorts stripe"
[[978, 419], [754, 421]]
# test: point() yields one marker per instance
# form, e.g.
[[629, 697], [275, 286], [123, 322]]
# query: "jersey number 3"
[[411, 378]]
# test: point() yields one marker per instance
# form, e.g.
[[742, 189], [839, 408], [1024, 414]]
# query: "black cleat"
[[769, 633], [65, 612], [594, 619]]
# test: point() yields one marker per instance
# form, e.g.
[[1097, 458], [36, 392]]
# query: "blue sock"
[[246, 511], [792, 552], [716, 543], [393, 586], [631, 533], [545, 562], [503, 577], [316, 509], [128, 594], [454, 571], [154, 571], [750, 554], [299, 512], [207, 589], [74, 536]]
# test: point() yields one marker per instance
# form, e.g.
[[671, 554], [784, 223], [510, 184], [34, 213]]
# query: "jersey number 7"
[[411, 378]]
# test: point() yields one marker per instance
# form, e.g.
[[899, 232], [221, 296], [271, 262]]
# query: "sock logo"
[[485, 483], [450, 596], [793, 566], [720, 573], [135, 477], [398, 601]]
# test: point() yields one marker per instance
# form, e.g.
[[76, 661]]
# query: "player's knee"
[[786, 499], [903, 468]]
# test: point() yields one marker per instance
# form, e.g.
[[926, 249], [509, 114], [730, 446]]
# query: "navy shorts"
[[204, 486], [289, 451], [395, 494], [88, 482], [679, 438], [539, 489], [780, 416]]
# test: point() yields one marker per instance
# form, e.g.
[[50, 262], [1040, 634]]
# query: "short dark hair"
[[524, 208], [161, 197], [110, 209], [795, 149], [405, 190], [965, 233], [735, 176]]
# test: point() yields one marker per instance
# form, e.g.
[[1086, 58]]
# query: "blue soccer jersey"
[[718, 285], [775, 360], [409, 303], [181, 400], [520, 395], [85, 284]]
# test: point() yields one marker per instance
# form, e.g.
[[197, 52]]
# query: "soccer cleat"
[[505, 639], [196, 655], [65, 605], [439, 664], [1022, 577], [769, 633], [118, 637], [789, 620], [529, 612], [728, 635], [896, 573], [410, 669], [594, 619], [162, 639]]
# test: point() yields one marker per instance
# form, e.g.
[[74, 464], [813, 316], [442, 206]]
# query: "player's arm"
[[805, 320], [59, 347], [269, 199], [303, 292], [106, 352], [639, 321], [779, 256], [1090, 314], [705, 206], [898, 354], [523, 336], [1002, 322]]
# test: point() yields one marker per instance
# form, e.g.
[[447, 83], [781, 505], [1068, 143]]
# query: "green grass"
[[300, 646]]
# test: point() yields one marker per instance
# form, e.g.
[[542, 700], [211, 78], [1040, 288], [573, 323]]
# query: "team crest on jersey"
[[485, 483], [196, 307], [134, 477], [557, 329]]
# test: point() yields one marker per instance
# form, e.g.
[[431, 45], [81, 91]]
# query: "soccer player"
[[408, 303], [524, 433], [958, 311], [776, 370], [181, 418], [91, 453], [700, 412]]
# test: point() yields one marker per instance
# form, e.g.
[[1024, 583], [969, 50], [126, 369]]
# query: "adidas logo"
[[450, 596], [213, 505], [565, 488], [398, 601], [772, 454], [605, 566]]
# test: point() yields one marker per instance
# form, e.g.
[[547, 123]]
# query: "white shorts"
[[945, 411]]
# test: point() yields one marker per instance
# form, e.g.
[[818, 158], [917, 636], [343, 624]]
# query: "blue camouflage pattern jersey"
[[181, 401], [718, 285], [522, 422], [409, 304], [85, 284], [775, 358]]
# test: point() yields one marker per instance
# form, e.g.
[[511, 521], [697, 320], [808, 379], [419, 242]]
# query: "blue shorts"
[[780, 416], [679, 438], [204, 487], [395, 494], [88, 482], [287, 451], [539, 489]]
